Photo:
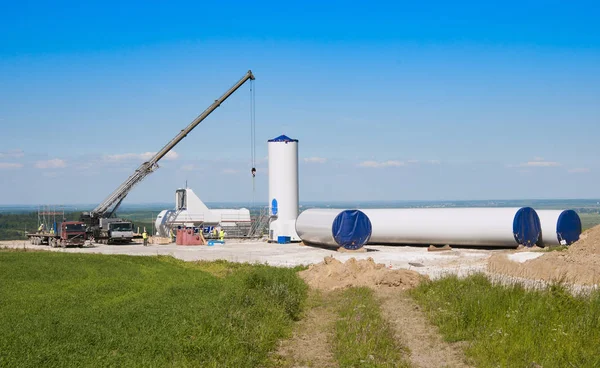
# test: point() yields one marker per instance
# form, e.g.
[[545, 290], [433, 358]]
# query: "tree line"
[[14, 226]]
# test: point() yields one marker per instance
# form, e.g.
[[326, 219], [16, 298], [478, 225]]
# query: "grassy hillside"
[[75, 310], [512, 327]]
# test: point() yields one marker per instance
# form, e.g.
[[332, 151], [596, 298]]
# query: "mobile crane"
[[101, 223]]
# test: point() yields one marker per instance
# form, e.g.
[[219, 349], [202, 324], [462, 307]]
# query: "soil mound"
[[579, 264], [332, 274]]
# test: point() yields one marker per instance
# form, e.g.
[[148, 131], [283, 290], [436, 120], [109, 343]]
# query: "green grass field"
[[74, 310], [589, 220], [511, 327]]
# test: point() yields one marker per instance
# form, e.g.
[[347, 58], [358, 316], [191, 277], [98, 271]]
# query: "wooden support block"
[[433, 248]]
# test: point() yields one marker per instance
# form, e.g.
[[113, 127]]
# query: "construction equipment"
[[68, 233], [100, 230]]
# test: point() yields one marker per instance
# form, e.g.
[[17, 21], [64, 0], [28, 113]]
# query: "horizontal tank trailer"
[[67, 234]]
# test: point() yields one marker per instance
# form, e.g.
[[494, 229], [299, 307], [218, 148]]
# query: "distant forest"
[[15, 226]]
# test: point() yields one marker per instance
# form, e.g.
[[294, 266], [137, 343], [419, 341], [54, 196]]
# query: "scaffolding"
[[260, 224], [48, 216]]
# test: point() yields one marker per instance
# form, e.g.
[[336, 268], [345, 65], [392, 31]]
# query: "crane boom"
[[113, 201]]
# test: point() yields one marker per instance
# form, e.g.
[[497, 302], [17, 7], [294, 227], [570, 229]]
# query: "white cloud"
[[189, 167], [10, 165], [381, 164], [229, 171], [172, 155], [580, 170], [539, 162], [412, 161], [434, 162], [51, 164], [316, 160], [12, 154]]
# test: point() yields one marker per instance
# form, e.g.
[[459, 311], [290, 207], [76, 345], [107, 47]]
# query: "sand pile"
[[332, 274], [579, 264]]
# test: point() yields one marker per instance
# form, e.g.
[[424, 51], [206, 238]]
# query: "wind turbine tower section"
[[283, 188]]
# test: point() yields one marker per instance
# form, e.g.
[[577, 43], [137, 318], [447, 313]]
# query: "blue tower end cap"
[[351, 229], [282, 138]]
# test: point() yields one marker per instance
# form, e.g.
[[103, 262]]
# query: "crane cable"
[[253, 136]]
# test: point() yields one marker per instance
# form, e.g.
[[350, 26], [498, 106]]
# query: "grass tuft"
[[363, 338], [510, 326], [556, 248]]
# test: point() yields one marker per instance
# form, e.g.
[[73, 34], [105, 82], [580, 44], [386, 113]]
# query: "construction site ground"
[[459, 261]]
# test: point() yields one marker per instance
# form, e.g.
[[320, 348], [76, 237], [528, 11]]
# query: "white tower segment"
[[283, 187]]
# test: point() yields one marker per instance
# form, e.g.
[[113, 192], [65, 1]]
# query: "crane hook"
[[253, 172]]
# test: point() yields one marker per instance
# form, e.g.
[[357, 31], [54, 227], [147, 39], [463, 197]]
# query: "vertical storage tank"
[[350, 229], [283, 187], [502, 227], [559, 227]]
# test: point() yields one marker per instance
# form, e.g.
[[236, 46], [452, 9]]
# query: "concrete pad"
[[435, 264]]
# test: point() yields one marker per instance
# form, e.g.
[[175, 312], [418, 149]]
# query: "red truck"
[[69, 233]]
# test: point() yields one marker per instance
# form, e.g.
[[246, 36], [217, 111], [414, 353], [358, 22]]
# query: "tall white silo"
[[283, 187]]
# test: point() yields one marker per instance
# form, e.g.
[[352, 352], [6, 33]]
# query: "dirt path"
[[311, 342], [428, 349]]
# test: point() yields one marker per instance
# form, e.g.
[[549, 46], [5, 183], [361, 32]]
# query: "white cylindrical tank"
[[350, 229], [283, 187], [455, 226], [559, 227]]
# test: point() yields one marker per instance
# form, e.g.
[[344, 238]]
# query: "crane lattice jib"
[[114, 200]]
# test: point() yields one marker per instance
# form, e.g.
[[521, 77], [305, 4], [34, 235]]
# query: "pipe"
[[559, 227], [501, 227], [350, 229]]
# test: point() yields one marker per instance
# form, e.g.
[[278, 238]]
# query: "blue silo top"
[[282, 138]]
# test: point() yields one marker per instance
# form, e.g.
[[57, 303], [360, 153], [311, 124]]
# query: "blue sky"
[[398, 100]]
